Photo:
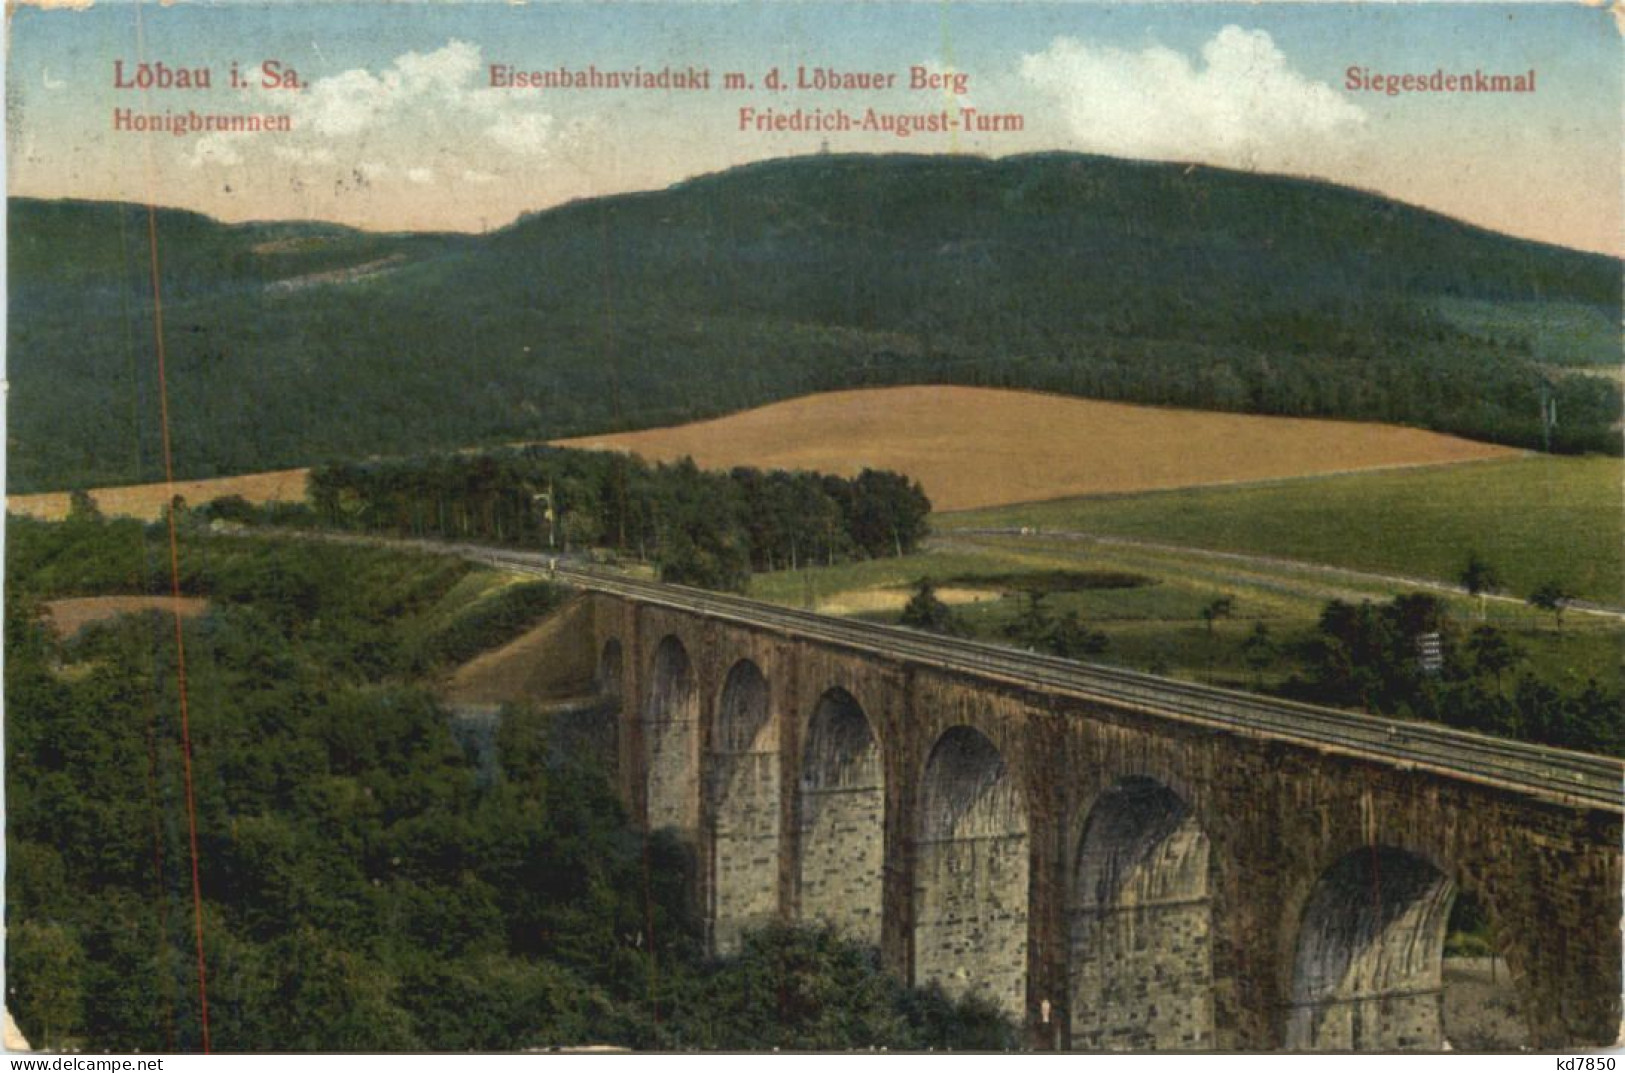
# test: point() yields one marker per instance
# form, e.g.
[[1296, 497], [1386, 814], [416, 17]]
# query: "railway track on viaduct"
[[1568, 778]]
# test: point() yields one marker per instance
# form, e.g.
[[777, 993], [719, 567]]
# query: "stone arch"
[[1366, 965], [607, 679], [1481, 1008], [840, 814], [742, 803], [971, 873], [671, 740], [1140, 963]]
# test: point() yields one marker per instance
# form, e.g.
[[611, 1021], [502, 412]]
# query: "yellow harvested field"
[[862, 601], [969, 447], [69, 616], [981, 447], [146, 501]]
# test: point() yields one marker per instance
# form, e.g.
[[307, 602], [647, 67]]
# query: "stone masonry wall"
[[1277, 819], [743, 775], [841, 818], [671, 738], [1141, 968]]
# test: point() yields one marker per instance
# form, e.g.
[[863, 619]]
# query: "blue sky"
[[399, 128]]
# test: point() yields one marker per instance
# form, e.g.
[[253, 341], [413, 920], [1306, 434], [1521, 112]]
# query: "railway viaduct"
[[1118, 861]]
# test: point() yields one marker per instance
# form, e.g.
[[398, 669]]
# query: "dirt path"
[[72, 614], [1270, 562]]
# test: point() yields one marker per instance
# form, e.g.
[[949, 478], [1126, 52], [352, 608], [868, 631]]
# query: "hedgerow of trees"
[[702, 528]]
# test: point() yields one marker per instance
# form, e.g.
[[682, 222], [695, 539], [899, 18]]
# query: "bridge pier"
[[1112, 878], [840, 822], [897, 948], [1048, 988], [1557, 914], [743, 805]]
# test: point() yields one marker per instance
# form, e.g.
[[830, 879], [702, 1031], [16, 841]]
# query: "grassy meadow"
[[1534, 519], [1158, 626]]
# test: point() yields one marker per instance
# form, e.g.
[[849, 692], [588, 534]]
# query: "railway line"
[[1569, 778]]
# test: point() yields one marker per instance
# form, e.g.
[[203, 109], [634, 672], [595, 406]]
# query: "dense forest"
[[289, 344], [699, 527], [365, 883]]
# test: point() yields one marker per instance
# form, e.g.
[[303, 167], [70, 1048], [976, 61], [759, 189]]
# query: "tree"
[[1367, 655], [1416, 613], [1070, 638], [1479, 578], [178, 512], [580, 530], [1258, 651], [82, 507], [1491, 653], [1554, 597], [1596, 720], [232, 508], [47, 966], [1032, 625], [925, 611], [887, 513], [1222, 607], [805, 989]]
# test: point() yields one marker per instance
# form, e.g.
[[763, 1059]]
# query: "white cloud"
[[444, 70], [297, 155], [416, 84], [344, 104], [219, 150], [524, 134], [422, 102], [1243, 105]]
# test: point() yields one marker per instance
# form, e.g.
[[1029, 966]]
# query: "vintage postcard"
[[813, 526]]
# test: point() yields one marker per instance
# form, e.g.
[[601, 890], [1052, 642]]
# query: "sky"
[[396, 125]]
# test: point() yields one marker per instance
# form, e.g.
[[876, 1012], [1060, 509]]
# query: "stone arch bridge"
[[1118, 861]]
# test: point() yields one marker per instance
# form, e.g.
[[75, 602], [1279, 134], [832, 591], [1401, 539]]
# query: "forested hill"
[[1170, 284]]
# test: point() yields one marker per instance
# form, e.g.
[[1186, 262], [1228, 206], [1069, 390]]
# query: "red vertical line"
[[1376, 888], [153, 808], [158, 875], [175, 578], [180, 633], [1376, 876], [649, 925], [610, 360]]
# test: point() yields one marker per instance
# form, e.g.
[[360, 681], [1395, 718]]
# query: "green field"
[[1153, 627], [1158, 627], [1534, 519], [1557, 333]]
